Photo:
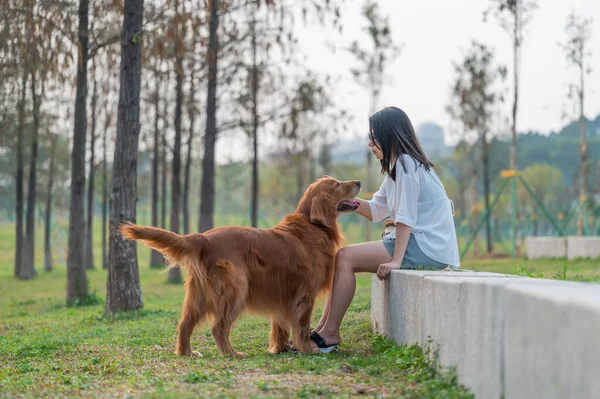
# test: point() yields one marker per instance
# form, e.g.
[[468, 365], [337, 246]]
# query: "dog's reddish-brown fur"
[[277, 272]]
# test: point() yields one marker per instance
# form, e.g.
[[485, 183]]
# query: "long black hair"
[[392, 132]]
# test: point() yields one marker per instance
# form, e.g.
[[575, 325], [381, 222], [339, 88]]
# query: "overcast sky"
[[436, 33]]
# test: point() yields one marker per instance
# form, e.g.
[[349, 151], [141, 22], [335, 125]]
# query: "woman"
[[414, 197]]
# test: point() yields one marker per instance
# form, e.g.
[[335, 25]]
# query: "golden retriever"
[[277, 272]]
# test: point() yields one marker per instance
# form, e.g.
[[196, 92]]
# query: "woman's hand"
[[384, 270]]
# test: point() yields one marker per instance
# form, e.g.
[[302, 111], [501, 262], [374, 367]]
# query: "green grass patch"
[[49, 349]]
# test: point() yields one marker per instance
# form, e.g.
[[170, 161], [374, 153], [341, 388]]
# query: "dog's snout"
[[358, 183]]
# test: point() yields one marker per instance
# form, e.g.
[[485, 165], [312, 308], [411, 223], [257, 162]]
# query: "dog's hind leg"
[[194, 310], [231, 289], [224, 318], [278, 338], [301, 323]]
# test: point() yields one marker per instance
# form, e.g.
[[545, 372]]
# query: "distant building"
[[431, 137]]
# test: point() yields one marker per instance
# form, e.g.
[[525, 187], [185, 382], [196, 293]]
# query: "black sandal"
[[321, 345]]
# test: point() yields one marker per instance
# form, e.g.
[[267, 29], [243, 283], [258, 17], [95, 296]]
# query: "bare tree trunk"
[[28, 265], [123, 291], [77, 287], [486, 191], [208, 162], [584, 156], [163, 204], [104, 199], [255, 180], [188, 161], [19, 179], [156, 259], [89, 246], [174, 275], [47, 248]]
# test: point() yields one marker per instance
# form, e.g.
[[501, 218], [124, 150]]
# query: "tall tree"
[[77, 287], [28, 266], [156, 259], [174, 275], [513, 16], [123, 291], [163, 183], [47, 247], [255, 85], [89, 244], [104, 192], [207, 201], [371, 71], [578, 52], [191, 107], [475, 96], [20, 175]]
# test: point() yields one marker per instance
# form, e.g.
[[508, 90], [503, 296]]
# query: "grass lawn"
[[50, 350], [586, 270]]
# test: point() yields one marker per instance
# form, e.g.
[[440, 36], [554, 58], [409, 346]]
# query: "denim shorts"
[[414, 258]]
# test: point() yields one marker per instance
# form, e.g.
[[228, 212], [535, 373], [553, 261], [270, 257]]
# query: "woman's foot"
[[325, 343]]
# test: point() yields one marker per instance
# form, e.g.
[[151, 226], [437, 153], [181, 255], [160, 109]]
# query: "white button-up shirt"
[[418, 199]]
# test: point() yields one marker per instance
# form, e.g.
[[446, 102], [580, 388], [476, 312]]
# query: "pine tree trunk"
[[163, 202], [188, 161], [28, 265], [47, 247], [207, 192], [89, 245], [104, 199], [123, 291], [156, 259], [255, 180], [19, 180], [174, 275], [76, 273]]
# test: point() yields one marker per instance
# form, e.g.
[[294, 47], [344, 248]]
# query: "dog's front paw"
[[275, 349], [189, 353], [240, 355]]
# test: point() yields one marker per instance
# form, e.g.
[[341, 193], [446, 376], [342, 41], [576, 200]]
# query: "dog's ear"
[[320, 211], [327, 177]]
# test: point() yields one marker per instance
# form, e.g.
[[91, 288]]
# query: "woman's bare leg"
[[365, 257]]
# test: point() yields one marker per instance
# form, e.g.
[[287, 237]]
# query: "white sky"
[[436, 33]]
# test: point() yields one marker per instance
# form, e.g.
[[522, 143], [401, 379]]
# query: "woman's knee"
[[343, 260]]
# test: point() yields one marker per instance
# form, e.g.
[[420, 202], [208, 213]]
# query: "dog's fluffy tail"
[[177, 249]]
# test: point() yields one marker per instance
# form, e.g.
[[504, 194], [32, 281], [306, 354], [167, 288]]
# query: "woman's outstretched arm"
[[364, 209]]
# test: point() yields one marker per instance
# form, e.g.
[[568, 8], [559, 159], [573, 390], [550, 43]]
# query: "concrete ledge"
[[399, 315], [473, 318], [545, 247], [557, 247], [552, 341], [583, 247]]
